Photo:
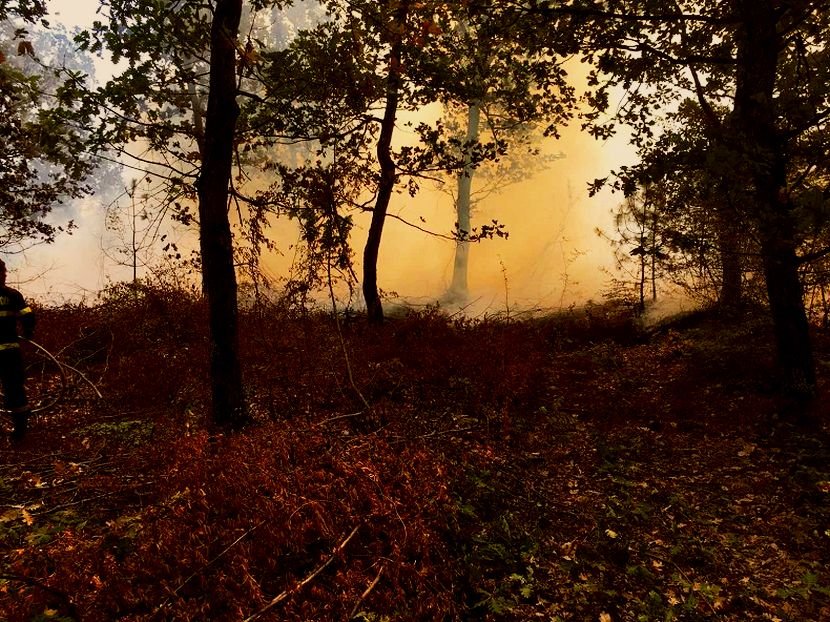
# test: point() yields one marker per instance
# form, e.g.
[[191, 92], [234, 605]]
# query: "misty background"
[[551, 259]]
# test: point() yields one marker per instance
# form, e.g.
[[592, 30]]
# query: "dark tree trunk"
[[763, 151], [388, 176], [215, 237], [785, 291]]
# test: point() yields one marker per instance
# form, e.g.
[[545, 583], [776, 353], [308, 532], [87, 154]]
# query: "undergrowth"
[[572, 467]]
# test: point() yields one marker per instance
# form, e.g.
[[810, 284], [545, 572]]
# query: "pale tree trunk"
[[215, 237], [459, 288]]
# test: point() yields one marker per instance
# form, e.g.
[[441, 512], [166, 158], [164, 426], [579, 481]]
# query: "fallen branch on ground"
[[366, 592], [297, 587]]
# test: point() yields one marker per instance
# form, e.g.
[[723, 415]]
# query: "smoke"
[[551, 259], [70, 269]]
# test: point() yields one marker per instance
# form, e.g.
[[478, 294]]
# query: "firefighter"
[[13, 309]]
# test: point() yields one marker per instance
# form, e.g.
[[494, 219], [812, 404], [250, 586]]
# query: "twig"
[[286, 593], [84, 378], [366, 592], [60, 367], [444, 432], [461, 310], [69, 504], [338, 417], [209, 564], [16, 466], [506, 289]]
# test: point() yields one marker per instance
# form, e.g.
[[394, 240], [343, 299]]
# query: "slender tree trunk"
[[199, 132], [215, 237], [764, 152], [134, 237], [642, 304], [731, 289], [654, 251], [388, 176], [459, 288], [653, 278]]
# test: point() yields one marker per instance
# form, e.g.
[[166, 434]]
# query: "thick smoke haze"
[[552, 257]]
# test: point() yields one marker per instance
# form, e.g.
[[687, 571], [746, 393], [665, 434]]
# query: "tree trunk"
[[763, 151], [459, 288], [654, 251], [731, 289], [215, 237], [642, 285], [784, 288], [388, 176]]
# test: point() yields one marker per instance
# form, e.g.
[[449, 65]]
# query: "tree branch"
[[687, 60], [814, 256], [570, 11]]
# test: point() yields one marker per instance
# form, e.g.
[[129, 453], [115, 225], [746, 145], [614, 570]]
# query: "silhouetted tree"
[[394, 27], [394, 57], [158, 100], [765, 63], [215, 238]]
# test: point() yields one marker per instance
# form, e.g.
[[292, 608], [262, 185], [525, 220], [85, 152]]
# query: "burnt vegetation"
[[574, 466]]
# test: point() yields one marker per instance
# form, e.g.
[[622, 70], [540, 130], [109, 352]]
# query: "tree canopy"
[[44, 160], [757, 73]]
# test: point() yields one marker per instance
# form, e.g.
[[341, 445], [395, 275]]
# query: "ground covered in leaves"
[[572, 467]]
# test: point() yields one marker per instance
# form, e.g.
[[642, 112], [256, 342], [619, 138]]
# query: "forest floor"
[[570, 467]]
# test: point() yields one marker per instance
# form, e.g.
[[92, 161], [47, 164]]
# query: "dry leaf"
[[10, 515]]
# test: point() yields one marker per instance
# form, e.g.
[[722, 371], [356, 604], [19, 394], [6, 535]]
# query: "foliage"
[[741, 63], [666, 234], [45, 158], [557, 467]]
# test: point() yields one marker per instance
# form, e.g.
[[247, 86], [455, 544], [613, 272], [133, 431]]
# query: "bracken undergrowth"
[[575, 466]]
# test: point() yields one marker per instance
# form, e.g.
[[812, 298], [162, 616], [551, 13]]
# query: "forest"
[[208, 442]]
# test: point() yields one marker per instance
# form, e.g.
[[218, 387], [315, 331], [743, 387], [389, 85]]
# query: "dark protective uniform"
[[13, 308]]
